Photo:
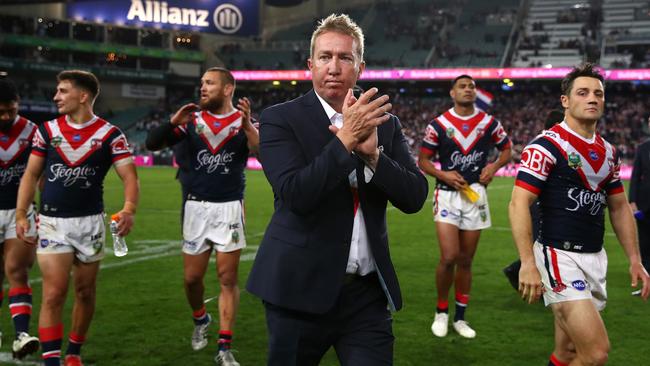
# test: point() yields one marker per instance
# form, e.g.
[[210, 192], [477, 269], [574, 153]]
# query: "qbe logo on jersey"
[[227, 18]]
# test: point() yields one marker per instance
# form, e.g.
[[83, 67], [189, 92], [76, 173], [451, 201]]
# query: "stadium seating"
[[625, 30], [559, 33], [420, 37]]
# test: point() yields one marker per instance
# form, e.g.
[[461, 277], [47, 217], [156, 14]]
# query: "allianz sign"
[[226, 17]]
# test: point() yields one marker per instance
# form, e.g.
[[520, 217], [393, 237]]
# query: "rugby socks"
[[461, 305], [555, 362], [443, 306], [225, 340], [50, 338], [200, 316], [20, 307], [75, 341]]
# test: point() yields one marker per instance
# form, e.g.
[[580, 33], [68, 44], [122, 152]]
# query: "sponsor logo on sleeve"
[[120, 146], [536, 161], [37, 140]]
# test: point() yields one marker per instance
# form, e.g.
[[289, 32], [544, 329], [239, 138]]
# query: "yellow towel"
[[470, 194]]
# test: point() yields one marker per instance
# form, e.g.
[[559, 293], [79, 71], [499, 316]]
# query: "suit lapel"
[[315, 115]]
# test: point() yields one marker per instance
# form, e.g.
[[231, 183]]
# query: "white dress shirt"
[[360, 259]]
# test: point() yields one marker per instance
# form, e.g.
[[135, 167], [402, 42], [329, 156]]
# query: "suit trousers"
[[643, 227], [359, 327]]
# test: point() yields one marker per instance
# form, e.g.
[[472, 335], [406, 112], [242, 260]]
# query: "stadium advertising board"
[[231, 17], [446, 74]]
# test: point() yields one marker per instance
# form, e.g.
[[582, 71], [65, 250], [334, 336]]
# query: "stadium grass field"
[[142, 317]]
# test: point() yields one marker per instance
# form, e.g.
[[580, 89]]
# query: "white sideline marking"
[[159, 251], [6, 358]]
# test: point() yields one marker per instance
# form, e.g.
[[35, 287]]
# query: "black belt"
[[192, 197], [571, 246], [445, 187], [353, 277]]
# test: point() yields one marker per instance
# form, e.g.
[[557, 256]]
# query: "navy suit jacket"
[[640, 181], [302, 259]]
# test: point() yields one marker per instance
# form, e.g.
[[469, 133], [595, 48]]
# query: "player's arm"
[[620, 214], [127, 173], [252, 135], [490, 169], [503, 143], [530, 281], [26, 192], [169, 134], [452, 178]]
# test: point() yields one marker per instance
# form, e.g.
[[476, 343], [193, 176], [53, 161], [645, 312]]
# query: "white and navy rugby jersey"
[[15, 146], [77, 158], [464, 142], [218, 151], [572, 176]]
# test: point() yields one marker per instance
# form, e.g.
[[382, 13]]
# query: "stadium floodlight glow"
[[276, 83], [293, 82]]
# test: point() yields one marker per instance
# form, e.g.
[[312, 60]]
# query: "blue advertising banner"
[[231, 17]]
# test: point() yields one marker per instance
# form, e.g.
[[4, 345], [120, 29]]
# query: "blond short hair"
[[340, 24]]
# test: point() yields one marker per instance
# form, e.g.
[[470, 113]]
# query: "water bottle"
[[119, 244]]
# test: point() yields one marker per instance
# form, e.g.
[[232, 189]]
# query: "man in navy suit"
[[640, 199], [334, 161]]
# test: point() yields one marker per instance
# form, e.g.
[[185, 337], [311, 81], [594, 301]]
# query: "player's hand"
[[361, 117], [184, 114], [244, 106], [453, 179], [637, 272], [487, 174], [125, 223], [530, 283], [22, 227]]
